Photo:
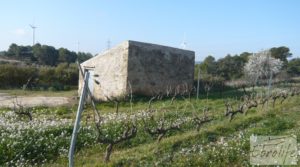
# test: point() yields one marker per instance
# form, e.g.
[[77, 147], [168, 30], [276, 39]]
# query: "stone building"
[[140, 68]]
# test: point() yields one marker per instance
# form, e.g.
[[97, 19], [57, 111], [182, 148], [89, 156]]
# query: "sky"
[[211, 27]]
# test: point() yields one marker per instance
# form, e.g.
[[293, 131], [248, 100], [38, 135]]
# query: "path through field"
[[7, 100]]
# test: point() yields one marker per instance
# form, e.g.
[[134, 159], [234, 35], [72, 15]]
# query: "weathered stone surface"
[[144, 69]]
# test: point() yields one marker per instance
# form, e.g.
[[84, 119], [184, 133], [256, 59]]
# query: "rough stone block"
[[140, 68]]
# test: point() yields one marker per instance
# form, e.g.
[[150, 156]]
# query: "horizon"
[[214, 28]]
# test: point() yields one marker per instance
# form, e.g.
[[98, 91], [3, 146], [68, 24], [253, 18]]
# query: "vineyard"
[[149, 83], [177, 130]]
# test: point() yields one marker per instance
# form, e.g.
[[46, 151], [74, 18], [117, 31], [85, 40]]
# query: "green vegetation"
[[58, 71], [293, 67], [212, 130], [43, 54], [231, 67], [219, 142], [40, 67], [62, 77]]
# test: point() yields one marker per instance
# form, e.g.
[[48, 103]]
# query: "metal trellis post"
[[78, 116]]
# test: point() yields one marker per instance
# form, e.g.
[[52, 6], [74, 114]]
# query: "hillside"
[[219, 141]]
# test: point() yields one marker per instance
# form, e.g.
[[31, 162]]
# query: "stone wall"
[[144, 69], [154, 69], [111, 66]]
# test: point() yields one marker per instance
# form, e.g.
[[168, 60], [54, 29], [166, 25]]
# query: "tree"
[[3, 53], [261, 66], [26, 52], [293, 66], [13, 50], [49, 56], [81, 56], [20, 52], [209, 65], [45, 55], [64, 55], [231, 67], [281, 53], [245, 56], [225, 67], [37, 52]]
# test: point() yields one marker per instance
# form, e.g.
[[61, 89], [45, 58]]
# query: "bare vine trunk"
[[108, 152]]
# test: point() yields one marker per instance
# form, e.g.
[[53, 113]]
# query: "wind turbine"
[[33, 34]]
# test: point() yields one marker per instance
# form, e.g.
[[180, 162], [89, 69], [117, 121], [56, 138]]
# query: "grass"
[[218, 143], [154, 152], [283, 119]]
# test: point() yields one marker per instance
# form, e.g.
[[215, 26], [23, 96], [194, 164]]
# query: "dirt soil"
[[7, 100]]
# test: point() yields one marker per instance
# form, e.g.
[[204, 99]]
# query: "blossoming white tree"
[[262, 66]]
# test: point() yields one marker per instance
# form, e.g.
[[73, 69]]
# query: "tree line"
[[50, 68], [44, 54], [40, 67], [232, 67], [214, 73]]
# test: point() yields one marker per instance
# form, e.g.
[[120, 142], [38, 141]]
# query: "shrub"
[[61, 77]]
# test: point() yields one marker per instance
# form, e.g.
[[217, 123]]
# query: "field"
[[44, 141], [11, 98], [32, 93]]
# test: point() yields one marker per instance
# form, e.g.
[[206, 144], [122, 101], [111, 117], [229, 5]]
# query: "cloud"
[[19, 32]]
